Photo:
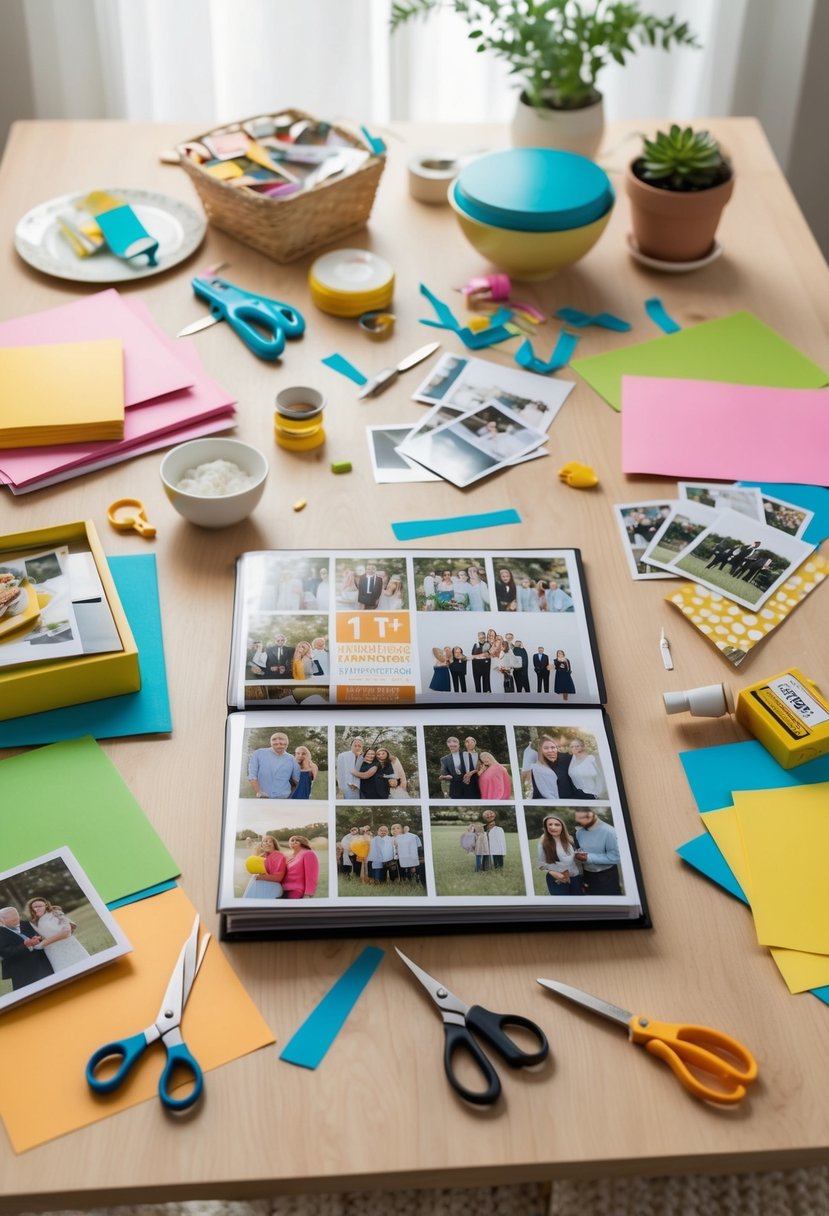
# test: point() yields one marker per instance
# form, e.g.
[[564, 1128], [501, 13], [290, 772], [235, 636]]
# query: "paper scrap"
[[413, 529], [339, 363], [659, 315], [565, 345]]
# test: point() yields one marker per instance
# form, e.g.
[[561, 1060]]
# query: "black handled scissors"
[[460, 1019]]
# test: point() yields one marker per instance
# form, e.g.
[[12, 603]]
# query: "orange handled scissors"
[[679, 1046]]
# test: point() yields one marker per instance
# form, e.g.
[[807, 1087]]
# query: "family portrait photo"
[[468, 763], [453, 584], [743, 559], [372, 584], [475, 851], [287, 584], [288, 648], [527, 585], [376, 763], [280, 852], [560, 762], [638, 525], [574, 851], [53, 927], [290, 764], [380, 852]]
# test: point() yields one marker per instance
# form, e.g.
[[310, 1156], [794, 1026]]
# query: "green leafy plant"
[[683, 160], [557, 48]]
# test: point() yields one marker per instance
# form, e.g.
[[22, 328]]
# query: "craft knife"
[[384, 378]]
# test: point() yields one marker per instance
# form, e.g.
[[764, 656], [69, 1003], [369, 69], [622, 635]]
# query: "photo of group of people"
[[366, 585], [450, 809], [53, 926]]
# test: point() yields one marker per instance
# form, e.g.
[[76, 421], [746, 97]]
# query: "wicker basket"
[[288, 228]]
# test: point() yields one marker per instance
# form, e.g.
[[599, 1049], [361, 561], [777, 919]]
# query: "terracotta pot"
[[672, 225], [570, 130]]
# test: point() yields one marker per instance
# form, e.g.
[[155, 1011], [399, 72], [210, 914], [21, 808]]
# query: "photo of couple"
[[382, 856], [278, 766], [280, 853], [576, 852], [371, 585], [53, 926], [464, 766], [376, 764], [294, 584], [559, 763]]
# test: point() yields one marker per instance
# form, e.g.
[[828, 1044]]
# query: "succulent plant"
[[682, 159]]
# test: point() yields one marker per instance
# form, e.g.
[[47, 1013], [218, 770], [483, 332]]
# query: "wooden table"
[[378, 1112]]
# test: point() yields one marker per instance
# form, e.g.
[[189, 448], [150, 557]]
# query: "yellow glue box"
[[33, 687], [788, 715]]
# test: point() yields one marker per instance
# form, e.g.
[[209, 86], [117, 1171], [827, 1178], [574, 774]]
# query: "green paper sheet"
[[71, 794], [738, 349]]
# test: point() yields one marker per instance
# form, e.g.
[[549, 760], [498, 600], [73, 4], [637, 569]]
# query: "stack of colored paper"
[[749, 839], [65, 392], [166, 393]]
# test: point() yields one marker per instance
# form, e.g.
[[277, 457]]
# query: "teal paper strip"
[[496, 331], [376, 144], [579, 319], [525, 355], [309, 1044], [658, 314], [145, 894], [413, 529], [339, 363]]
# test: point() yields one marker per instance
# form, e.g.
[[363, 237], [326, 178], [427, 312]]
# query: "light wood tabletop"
[[378, 1112]]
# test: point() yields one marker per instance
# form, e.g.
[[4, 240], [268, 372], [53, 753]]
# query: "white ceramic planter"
[[571, 130]]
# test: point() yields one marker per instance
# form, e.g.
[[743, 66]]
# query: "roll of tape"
[[430, 174], [377, 325]]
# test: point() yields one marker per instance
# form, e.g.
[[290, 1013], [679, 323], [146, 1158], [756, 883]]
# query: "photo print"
[[474, 445], [476, 850], [451, 584], [638, 524], [279, 583], [287, 648], [380, 851], [376, 763], [560, 763], [468, 764], [574, 851], [686, 520], [36, 610], [532, 584], [54, 927], [786, 516], [284, 764], [723, 497], [470, 385], [388, 465], [744, 560], [373, 583], [280, 851]]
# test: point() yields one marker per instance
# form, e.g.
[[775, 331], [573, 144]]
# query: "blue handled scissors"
[[165, 1027], [460, 1019], [261, 323]]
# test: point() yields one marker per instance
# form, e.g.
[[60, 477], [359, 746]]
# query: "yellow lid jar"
[[297, 419]]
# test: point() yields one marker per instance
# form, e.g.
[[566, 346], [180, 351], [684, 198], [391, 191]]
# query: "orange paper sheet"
[[220, 1024]]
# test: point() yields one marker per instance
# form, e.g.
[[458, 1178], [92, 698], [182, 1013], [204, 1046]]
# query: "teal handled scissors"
[[261, 323], [166, 1027], [460, 1019]]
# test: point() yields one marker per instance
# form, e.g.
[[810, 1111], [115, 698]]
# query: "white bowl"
[[213, 511]]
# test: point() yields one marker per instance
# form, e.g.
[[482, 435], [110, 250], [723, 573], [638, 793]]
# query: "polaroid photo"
[[442, 415], [686, 521], [723, 497], [54, 927], [786, 516], [474, 445], [52, 632], [471, 385], [639, 523], [743, 560], [388, 464]]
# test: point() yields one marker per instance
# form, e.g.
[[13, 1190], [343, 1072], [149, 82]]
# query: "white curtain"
[[211, 61]]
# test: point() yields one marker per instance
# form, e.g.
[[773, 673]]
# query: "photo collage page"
[[352, 807], [409, 626]]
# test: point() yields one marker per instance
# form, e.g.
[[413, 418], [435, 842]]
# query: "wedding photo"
[[470, 384], [53, 927], [374, 583]]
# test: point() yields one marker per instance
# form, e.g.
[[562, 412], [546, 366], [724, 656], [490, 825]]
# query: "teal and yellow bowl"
[[529, 256]]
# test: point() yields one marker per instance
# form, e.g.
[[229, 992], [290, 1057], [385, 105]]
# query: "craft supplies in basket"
[[268, 205]]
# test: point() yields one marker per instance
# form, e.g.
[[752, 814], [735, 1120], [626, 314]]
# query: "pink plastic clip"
[[492, 286]]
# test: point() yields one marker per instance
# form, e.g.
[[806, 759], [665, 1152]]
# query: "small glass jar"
[[297, 419]]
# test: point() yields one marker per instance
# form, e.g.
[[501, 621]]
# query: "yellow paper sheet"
[[220, 1024], [61, 393], [787, 884], [800, 970]]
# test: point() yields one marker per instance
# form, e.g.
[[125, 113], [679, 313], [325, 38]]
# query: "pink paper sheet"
[[725, 432], [151, 367], [175, 417]]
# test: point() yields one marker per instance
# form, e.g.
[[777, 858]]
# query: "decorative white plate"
[[672, 267], [178, 229]]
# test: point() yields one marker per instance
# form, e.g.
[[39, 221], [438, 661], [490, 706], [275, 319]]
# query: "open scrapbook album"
[[417, 741]]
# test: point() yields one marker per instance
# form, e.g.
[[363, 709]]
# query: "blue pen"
[[261, 323]]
